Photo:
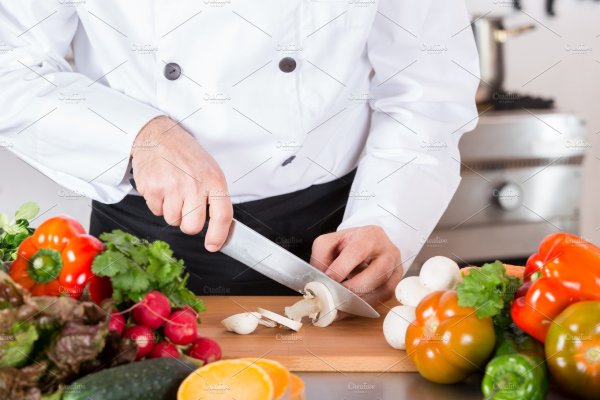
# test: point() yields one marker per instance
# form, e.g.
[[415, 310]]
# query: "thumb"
[[324, 250]]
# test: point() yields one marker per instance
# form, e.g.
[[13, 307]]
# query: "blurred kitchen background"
[[529, 169]]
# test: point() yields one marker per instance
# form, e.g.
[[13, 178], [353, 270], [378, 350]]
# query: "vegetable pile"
[[520, 326], [50, 341], [72, 307]]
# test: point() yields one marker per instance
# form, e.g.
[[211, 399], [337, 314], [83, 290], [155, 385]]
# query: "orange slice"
[[296, 387], [279, 375], [227, 380]]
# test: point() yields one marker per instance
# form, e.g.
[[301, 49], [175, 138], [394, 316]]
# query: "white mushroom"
[[280, 319], [440, 273], [396, 323], [317, 304], [410, 291], [245, 323]]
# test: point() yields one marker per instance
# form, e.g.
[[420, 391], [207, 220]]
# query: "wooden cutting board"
[[351, 345]]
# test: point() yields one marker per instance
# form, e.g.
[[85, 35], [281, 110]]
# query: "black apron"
[[291, 220]]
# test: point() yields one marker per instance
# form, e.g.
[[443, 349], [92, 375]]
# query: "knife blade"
[[268, 258]]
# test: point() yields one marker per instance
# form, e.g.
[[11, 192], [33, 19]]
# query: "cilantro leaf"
[[490, 291], [135, 266], [110, 263], [133, 281], [179, 295]]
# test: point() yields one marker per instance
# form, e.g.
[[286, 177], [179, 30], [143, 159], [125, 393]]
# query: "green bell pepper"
[[517, 371]]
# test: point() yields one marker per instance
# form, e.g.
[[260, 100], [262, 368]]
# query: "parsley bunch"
[[490, 290], [136, 267]]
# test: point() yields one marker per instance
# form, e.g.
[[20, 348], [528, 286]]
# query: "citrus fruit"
[[227, 380]]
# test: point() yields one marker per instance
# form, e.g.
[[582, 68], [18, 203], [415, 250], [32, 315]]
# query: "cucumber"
[[156, 379]]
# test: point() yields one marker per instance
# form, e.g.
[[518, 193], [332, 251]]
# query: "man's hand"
[[179, 179], [368, 251]]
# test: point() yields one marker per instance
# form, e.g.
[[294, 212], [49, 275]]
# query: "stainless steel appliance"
[[521, 180], [490, 35]]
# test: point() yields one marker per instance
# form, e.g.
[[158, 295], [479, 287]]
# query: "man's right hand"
[[179, 179]]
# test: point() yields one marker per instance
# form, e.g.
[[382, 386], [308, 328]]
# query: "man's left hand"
[[365, 255]]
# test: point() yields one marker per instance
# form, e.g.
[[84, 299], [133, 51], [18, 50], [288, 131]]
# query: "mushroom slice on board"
[[245, 323], [317, 304], [280, 319]]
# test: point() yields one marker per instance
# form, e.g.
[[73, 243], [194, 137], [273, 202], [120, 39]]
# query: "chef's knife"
[[259, 253]]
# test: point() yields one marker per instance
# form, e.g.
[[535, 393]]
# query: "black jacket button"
[[287, 64], [172, 71], [287, 161]]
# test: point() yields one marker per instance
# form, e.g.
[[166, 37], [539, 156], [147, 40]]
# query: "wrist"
[[148, 135]]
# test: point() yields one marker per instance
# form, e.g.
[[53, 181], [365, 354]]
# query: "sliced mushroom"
[[317, 304], [280, 319], [245, 323]]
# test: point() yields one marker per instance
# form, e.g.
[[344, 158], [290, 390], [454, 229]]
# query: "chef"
[[329, 126]]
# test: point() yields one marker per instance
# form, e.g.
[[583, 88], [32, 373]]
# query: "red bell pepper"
[[565, 270], [57, 259]]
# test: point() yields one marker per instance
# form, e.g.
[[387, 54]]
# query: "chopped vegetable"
[[280, 319], [12, 233], [317, 304], [136, 267], [244, 323], [489, 290]]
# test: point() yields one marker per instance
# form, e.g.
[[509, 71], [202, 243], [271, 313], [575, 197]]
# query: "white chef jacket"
[[387, 86]]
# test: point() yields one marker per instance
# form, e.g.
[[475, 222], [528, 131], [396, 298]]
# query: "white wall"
[[574, 83], [20, 183]]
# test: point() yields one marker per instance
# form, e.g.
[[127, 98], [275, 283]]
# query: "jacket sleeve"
[[422, 98], [68, 126]]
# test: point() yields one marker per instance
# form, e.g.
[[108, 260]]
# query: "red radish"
[[182, 327], [190, 310], [143, 338], [205, 349], [116, 322], [153, 310], [164, 349]]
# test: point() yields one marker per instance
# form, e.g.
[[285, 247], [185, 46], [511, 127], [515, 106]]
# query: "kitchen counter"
[[390, 386]]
